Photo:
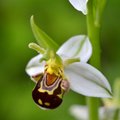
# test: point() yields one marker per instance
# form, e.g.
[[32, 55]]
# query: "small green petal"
[[42, 38], [37, 48]]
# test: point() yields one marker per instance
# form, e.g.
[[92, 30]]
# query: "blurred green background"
[[60, 21]]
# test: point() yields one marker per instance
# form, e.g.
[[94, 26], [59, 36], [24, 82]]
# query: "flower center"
[[54, 66]]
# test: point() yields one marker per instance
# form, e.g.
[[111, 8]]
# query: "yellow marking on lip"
[[43, 91], [47, 103], [40, 101]]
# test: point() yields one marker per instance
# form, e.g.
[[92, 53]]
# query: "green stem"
[[93, 106], [93, 33], [94, 36]]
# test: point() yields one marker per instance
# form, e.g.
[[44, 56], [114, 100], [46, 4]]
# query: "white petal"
[[34, 67], [87, 80], [79, 112], [110, 112], [76, 47], [80, 5]]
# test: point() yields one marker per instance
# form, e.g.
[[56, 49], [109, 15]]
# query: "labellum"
[[49, 90]]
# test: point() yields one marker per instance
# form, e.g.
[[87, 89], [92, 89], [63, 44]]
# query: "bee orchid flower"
[[54, 72]]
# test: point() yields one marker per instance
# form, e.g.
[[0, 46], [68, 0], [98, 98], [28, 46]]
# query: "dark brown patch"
[[54, 100]]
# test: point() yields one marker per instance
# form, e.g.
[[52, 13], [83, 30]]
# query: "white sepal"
[[81, 112], [80, 5], [87, 80], [76, 47], [34, 66]]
